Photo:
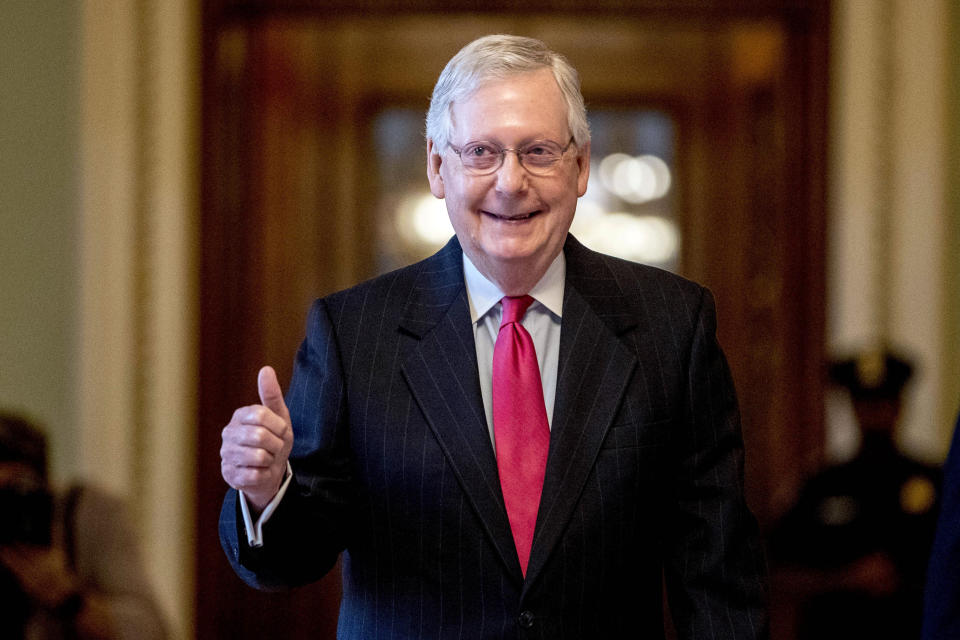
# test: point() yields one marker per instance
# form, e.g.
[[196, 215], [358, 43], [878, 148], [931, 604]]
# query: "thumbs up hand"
[[257, 442]]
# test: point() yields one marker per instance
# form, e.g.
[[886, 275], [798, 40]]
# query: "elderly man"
[[517, 437]]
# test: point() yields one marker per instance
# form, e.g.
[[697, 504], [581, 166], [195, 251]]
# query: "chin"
[[511, 251]]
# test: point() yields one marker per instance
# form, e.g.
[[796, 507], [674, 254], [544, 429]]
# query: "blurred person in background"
[[852, 552], [70, 564], [941, 611]]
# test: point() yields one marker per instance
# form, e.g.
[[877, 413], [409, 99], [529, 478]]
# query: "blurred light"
[[635, 179], [422, 219], [608, 167], [647, 239], [661, 173]]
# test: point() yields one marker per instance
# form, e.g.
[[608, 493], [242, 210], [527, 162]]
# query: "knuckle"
[[229, 474], [229, 454], [252, 478], [260, 437], [229, 433]]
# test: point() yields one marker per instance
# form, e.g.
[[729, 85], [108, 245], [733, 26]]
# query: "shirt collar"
[[484, 295]]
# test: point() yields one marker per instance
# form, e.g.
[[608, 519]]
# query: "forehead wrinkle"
[[521, 142]]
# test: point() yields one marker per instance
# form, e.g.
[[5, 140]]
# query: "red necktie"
[[520, 427]]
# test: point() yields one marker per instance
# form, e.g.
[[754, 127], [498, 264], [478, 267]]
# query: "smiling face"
[[511, 223]]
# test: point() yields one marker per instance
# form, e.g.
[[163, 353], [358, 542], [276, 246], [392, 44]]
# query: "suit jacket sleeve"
[[941, 607], [311, 525], [713, 560]]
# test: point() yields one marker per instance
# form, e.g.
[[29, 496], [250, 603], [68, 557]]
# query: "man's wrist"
[[253, 524], [260, 502]]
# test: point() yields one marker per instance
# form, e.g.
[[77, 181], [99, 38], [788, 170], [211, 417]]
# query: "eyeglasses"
[[481, 158]]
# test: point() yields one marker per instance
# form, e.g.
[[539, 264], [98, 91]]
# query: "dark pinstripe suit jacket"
[[393, 463]]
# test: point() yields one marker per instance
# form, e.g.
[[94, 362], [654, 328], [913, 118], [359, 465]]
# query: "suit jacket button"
[[526, 619]]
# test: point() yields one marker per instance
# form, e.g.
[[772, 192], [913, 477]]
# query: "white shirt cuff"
[[255, 529]]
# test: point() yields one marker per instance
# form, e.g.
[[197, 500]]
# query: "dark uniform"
[[863, 529], [941, 615]]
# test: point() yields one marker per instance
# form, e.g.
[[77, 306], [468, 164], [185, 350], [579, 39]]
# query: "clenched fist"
[[257, 443]]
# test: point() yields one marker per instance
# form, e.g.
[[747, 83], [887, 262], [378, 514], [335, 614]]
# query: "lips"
[[512, 217]]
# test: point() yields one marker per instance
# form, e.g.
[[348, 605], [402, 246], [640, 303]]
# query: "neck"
[[513, 278]]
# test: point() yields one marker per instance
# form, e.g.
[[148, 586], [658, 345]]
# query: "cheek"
[[458, 209], [563, 199], [462, 196]]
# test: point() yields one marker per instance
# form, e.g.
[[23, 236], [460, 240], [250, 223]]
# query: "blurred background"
[[180, 178]]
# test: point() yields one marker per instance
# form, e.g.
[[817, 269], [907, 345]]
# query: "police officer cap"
[[878, 375]]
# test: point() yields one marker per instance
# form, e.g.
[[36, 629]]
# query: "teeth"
[[521, 217]]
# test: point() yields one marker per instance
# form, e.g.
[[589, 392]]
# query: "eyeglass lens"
[[486, 157]]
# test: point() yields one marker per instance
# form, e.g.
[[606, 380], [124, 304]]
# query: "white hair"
[[493, 58]]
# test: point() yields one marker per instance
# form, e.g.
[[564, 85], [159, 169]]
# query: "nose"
[[511, 176]]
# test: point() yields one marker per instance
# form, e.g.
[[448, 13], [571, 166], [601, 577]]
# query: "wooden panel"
[[691, 9], [268, 251]]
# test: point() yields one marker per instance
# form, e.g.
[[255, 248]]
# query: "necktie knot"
[[513, 308]]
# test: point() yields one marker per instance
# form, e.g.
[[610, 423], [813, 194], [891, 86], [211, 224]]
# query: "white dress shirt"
[[542, 322]]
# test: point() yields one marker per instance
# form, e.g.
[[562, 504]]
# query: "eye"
[[538, 150], [479, 150]]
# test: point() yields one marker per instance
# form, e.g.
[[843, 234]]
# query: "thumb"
[[271, 396]]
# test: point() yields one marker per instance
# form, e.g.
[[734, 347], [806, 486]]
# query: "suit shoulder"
[[636, 275], [630, 277], [390, 293], [653, 289], [379, 286]]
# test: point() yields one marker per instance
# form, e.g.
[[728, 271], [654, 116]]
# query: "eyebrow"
[[523, 143]]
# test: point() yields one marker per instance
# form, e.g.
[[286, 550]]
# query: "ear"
[[583, 168], [434, 163]]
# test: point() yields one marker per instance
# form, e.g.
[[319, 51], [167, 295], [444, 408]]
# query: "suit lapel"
[[593, 372], [442, 374]]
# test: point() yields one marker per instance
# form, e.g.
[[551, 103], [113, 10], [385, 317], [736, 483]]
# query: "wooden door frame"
[[235, 338]]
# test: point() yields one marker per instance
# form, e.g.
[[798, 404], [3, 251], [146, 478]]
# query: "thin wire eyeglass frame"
[[502, 153]]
